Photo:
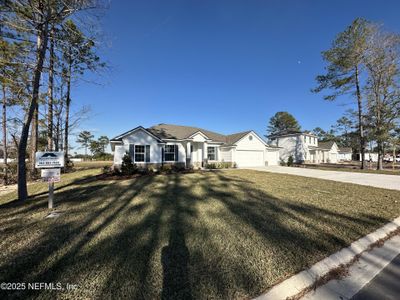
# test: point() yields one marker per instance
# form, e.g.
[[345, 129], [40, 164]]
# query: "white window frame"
[[215, 153], [144, 154]]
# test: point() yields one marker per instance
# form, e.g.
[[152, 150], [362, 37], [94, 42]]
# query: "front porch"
[[198, 153], [318, 156]]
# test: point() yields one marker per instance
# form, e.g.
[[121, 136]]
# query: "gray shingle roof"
[[290, 132], [179, 132], [345, 150], [169, 131], [326, 145]]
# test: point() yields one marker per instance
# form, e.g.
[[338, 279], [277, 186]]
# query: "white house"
[[192, 146], [304, 147], [370, 156], [345, 154]]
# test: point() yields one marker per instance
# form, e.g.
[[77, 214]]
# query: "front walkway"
[[376, 180]]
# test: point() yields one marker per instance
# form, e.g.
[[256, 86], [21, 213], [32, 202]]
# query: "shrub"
[[107, 170], [282, 162], [211, 166], [226, 165], [127, 166], [290, 161], [11, 173], [178, 168], [166, 169]]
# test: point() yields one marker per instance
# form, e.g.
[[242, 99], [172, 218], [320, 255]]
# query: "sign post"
[[51, 194], [51, 163]]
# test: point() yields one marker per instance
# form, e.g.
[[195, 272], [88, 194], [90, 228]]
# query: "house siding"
[[293, 146], [226, 154], [142, 138]]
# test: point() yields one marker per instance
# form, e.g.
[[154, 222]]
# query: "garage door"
[[249, 158]]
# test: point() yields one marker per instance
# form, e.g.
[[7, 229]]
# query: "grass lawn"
[[345, 168], [211, 235], [92, 164]]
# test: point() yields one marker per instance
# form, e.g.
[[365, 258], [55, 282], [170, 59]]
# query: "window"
[[169, 153], [142, 153], [211, 153], [139, 153], [250, 137]]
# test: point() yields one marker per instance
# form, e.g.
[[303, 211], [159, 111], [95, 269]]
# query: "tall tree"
[[383, 90], [319, 132], [12, 76], [282, 121], [103, 140], [344, 127], [50, 92], [33, 18], [96, 148], [84, 138], [78, 56], [345, 63]]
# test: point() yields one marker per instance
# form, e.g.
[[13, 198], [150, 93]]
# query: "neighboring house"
[[304, 147], [192, 146], [345, 154], [370, 156]]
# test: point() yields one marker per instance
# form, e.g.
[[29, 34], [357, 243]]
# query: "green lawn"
[[211, 235]]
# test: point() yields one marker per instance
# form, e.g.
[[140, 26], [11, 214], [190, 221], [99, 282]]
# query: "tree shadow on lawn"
[[174, 237], [17, 207]]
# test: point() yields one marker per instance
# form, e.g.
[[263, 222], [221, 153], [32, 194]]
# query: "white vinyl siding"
[[226, 154]]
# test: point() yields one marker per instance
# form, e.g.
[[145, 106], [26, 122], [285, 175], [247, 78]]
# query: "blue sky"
[[226, 66]]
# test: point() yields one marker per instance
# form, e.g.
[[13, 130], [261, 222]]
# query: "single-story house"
[[192, 146], [345, 154], [304, 147]]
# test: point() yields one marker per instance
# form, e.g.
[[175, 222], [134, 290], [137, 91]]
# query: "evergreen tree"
[[282, 121], [345, 63], [85, 138]]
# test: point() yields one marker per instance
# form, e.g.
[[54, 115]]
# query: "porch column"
[[188, 154], [204, 153]]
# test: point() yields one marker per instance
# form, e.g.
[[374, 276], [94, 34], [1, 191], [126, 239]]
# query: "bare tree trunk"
[[394, 157], [41, 53], [4, 125], [50, 94], [360, 120], [34, 138], [57, 135], [380, 157], [67, 106]]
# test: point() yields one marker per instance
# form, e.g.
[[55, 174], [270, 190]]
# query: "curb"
[[305, 279]]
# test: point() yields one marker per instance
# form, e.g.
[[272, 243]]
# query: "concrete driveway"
[[376, 180]]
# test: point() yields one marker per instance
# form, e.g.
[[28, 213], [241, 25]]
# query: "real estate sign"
[[49, 159], [51, 175]]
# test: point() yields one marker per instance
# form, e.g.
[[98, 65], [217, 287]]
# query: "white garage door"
[[249, 158]]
